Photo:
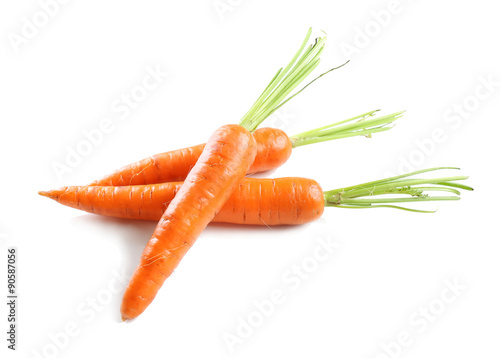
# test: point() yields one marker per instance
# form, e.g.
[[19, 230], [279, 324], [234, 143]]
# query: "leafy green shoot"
[[278, 91], [356, 126], [398, 189]]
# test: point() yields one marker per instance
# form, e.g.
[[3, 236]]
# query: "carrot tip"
[[44, 193], [127, 320]]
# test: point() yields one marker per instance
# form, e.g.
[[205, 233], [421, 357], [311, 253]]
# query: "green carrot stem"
[[285, 81], [456, 185], [385, 206], [307, 85], [397, 200], [417, 190], [276, 79], [314, 131], [355, 126], [398, 177], [396, 185]]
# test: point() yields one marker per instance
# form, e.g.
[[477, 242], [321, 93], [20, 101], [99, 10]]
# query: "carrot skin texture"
[[224, 161], [164, 167], [273, 149], [270, 202], [137, 202], [282, 201]]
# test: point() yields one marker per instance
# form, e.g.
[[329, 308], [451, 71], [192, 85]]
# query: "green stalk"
[[361, 196], [285, 81], [351, 127]]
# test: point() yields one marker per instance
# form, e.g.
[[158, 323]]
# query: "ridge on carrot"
[[282, 201]]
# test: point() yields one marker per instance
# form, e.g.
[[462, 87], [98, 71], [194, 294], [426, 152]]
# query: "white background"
[[425, 57]]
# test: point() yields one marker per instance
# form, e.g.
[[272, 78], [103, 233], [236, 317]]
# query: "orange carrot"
[[282, 201], [273, 150], [224, 161]]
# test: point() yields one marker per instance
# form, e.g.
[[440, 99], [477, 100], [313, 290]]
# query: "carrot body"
[[224, 161], [273, 149], [283, 201]]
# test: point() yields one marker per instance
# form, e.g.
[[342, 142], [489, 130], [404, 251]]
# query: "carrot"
[[273, 150], [223, 163], [174, 165], [283, 201]]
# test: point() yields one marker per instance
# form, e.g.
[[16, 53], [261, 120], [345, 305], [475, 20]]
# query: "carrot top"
[[361, 196], [355, 126], [277, 92]]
